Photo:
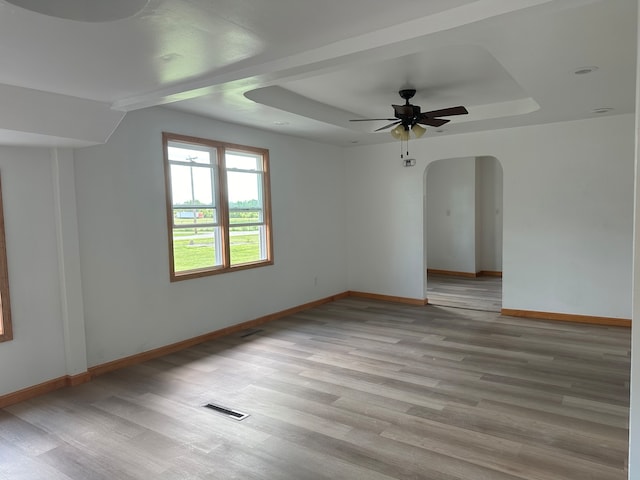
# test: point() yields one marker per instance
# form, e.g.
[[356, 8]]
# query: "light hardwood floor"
[[479, 293], [354, 389]]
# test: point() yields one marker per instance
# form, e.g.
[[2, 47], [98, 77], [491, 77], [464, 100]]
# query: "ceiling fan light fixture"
[[418, 130], [397, 132], [404, 135]]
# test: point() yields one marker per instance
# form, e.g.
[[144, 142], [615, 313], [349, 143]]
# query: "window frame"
[[220, 200], [6, 330]]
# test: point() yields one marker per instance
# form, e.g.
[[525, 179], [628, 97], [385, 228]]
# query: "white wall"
[[451, 215], [464, 214], [130, 305], [489, 175], [567, 219], [634, 411], [37, 352], [478, 213]]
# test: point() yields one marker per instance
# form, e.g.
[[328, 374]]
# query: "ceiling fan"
[[409, 117]]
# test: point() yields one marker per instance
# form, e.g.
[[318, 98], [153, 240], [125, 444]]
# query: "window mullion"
[[224, 207], [266, 208]]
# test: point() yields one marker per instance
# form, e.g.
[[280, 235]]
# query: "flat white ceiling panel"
[[303, 66]]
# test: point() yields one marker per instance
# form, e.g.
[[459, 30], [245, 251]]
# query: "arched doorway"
[[463, 232]]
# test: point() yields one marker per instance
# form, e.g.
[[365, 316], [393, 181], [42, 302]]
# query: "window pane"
[[244, 190], [191, 185], [190, 216], [245, 216], [196, 248], [243, 161], [185, 153], [208, 233], [247, 244]]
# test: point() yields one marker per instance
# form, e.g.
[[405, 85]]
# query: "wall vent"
[[227, 412]]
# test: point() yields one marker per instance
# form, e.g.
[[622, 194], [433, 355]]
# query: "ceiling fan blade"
[[387, 126], [445, 112], [371, 119], [433, 122]]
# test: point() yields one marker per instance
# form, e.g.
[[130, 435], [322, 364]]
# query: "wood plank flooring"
[[479, 293], [354, 389]]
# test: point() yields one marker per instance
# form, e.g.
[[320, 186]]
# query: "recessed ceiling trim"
[[373, 44], [84, 10]]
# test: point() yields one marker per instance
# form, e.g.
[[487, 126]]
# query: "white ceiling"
[[306, 67]]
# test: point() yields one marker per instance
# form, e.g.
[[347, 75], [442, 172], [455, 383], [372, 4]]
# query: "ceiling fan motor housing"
[[407, 93]]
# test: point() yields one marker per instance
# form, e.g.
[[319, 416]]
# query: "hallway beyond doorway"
[[474, 293]]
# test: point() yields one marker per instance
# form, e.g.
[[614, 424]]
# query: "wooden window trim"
[[6, 330], [222, 202]]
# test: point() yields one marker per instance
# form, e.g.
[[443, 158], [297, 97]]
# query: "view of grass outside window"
[[6, 332], [218, 206]]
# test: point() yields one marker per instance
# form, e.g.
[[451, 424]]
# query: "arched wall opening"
[[463, 204]]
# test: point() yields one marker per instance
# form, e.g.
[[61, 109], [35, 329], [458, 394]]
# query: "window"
[[218, 206], [5, 311]]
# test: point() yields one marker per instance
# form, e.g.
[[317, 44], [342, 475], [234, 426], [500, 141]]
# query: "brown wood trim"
[[79, 379], [481, 273], [44, 387], [434, 271], [489, 273], [34, 391], [567, 317], [74, 380], [388, 298], [175, 347], [6, 331]]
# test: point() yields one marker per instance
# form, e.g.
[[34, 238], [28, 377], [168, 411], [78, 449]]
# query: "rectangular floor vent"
[[236, 415]]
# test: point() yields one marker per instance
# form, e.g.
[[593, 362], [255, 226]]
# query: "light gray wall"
[[451, 215], [463, 214], [37, 352], [130, 305], [634, 411], [489, 195], [567, 220]]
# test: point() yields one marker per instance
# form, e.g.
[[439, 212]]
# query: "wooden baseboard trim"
[[176, 347], [489, 273], [451, 273], [566, 317], [75, 380], [34, 391], [388, 298], [42, 388]]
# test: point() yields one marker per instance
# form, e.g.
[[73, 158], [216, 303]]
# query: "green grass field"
[[193, 253]]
